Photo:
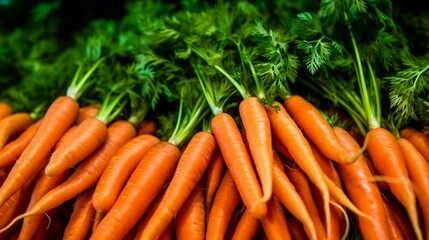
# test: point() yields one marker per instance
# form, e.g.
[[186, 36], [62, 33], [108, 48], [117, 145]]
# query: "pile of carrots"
[[285, 174]]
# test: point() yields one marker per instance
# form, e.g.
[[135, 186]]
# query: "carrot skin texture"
[[225, 202], [418, 139], [119, 169], [86, 112], [238, 163], [59, 117], [258, 134], [88, 136], [79, 225], [247, 227], [418, 170], [5, 110], [213, 177], [190, 169], [385, 152], [274, 224], [11, 151], [12, 126], [150, 176], [363, 192]]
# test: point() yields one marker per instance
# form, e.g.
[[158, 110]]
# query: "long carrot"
[[418, 139], [213, 177], [275, 224], [60, 116], [247, 227], [13, 125], [87, 174], [418, 170], [190, 169], [385, 152], [5, 110], [151, 174], [238, 162], [363, 192]]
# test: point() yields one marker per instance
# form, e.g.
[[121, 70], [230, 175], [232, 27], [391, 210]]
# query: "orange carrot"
[[60, 116], [274, 224], [247, 227], [147, 127], [257, 127], [238, 161], [11, 152], [87, 112], [213, 176], [418, 170], [393, 223], [79, 225], [385, 152], [225, 202], [151, 174], [190, 220], [12, 126], [296, 229], [419, 140], [316, 128], [286, 130], [5, 110], [363, 192], [119, 169]]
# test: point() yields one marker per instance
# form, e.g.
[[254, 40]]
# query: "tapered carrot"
[[363, 192], [213, 176], [11, 152], [418, 139], [418, 170], [274, 224], [190, 220], [385, 152], [238, 162], [80, 222], [119, 169], [151, 174], [286, 130], [13, 125], [147, 127], [258, 132], [247, 227], [5, 110], [225, 202], [316, 128], [87, 173], [59, 117]]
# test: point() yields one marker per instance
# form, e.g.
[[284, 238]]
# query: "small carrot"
[[238, 162], [213, 176], [147, 126], [247, 227], [5, 110], [316, 128], [275, 224], [419, 140], [11, 152], [80, 222], [388, 159], [13, 125], [225, 202]]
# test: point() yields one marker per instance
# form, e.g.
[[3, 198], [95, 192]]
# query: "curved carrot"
[[190, 220], [258, 132], [146, 181], [5, 110], [13, 125], [238, 162], [213, 176], [147, 127], [119, 169], [87, 173], [11, 152], [274, 224], [418, 170], [316, 128], [286, 130], [385, 152], [59, 117], [190, 169], [225, 202], [363, 192], [418, 139], [80, 222]]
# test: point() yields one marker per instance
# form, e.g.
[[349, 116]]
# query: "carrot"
[[213, 176], [225, 202], [119, 169], [247, 227], [296, 229], [316, 128], [11, 152], [151, 174], [274, 224], [59, 117], [257, 127], [363, 192], [12, 126], [418, 170], [79, 225], [87, 112], [147, 127], [5, 110], [189, 222], [290, 135], [238, 162], [286, 192], [280, 148], [393, 223], [87, 173], [418, 139], [385, 152]]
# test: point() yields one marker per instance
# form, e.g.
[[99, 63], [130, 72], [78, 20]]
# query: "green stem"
[[77, 85], [243, 92]]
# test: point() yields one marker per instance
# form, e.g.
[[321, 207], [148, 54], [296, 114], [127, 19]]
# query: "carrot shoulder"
[[12, 126]]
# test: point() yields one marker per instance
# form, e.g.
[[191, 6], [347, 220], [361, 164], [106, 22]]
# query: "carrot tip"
[[258, 209]]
